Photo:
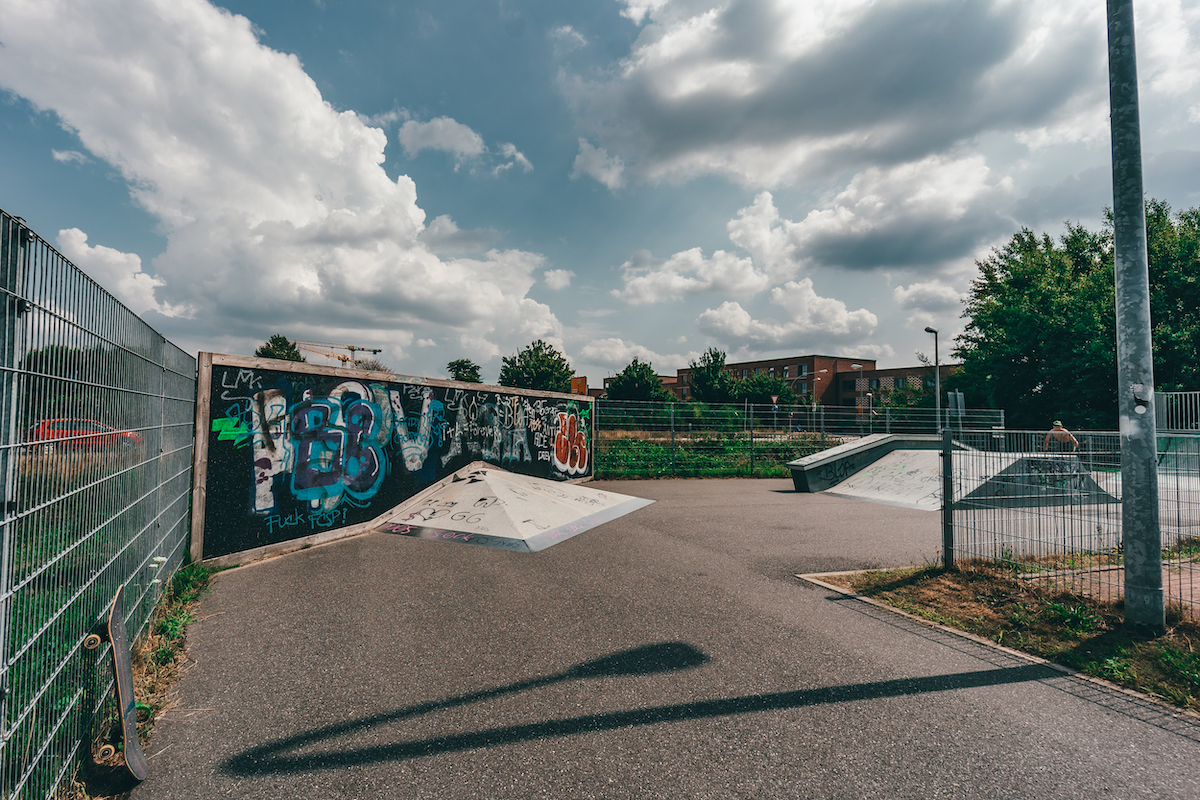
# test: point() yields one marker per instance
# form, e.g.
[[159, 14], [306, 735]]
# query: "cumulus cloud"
[[651, 280], [275, 206], [595, 162], [809, 318], [911, 214], [558, 279], [927, 296], [616, 354], [441, 133], [444, 237], [119, 273], [734, 88]]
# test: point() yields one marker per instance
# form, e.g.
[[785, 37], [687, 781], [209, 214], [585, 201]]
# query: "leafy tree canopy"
[[759, 389], [710, 381], [1040, 340], [638, 381], [464, 369], [280, 347], [538, 366], [372, 364]]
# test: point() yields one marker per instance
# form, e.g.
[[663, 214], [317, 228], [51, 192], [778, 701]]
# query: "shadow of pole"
[[273, 758]]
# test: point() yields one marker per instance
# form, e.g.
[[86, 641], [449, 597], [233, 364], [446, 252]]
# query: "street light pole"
[[937, 377], [859, 367]]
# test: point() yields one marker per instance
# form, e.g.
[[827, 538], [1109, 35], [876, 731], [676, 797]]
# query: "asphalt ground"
[[670, 654]]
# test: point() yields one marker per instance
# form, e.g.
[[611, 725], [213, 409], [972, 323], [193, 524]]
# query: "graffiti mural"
[[292, 453]]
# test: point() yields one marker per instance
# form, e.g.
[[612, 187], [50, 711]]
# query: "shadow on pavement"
[[273, 757]]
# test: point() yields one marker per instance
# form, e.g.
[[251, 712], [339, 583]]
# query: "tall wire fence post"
[[672, 440], [947, 499], [1135, 356], [750, 422]]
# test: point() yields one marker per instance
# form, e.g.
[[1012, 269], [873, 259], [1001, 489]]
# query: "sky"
[[445, 179]]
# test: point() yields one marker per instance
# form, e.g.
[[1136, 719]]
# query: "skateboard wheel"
[[91, 641], [106, 752]]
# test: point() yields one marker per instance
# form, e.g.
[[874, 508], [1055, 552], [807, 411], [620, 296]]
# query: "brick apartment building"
[[828, 380]]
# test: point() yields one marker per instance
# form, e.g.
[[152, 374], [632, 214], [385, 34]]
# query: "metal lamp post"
[[859, 367], [937, 377]]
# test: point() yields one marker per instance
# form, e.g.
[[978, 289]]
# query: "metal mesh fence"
[[1051, 511], [639, 439], [96, 416], [1177, 411]]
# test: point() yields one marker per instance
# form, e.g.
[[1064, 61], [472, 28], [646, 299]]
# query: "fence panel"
[[96, 412], [639, 439], [1053, 514]]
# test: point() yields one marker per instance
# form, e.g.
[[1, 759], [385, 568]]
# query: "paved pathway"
[[670, 653]]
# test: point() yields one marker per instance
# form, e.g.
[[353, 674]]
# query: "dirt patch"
[[1068, 628]]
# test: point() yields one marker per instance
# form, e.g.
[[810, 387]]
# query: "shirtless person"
[[1060, 440]]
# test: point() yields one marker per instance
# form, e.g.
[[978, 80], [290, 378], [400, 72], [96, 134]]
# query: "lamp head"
[[931, 330]]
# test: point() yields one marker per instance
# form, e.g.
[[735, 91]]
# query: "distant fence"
[[1053, 515], [290, 454], [1177, 411], [675, 439], [96, 415]]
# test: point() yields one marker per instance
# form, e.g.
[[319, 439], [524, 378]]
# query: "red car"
[[81, 434]]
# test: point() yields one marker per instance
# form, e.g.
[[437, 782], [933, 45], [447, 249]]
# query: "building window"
[[900, 382], [873, 384], [848, 386], [785, 371], [771, 372], [802, 370], [801, 388]]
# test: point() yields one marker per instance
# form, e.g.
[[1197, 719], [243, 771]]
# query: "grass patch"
[[158, 659], [1059, 626]]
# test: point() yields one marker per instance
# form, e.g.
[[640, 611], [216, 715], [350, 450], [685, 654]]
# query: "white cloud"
[[927, 296], [810, 318], [444, 237], [595, 162], [440, 133], [69, 156], [275, 206], [517, 158], [566, 39], [119, 273], [913, 214], [616, 354], [774, 93], [651, 280], [638, 10], [558, 279]]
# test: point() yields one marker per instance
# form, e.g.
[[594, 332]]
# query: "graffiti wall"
[[296, 450]]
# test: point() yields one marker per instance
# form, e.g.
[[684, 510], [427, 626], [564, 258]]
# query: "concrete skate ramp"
[[487, 506], [826, 469], [913, 479], [1047, 479], [907, 478]]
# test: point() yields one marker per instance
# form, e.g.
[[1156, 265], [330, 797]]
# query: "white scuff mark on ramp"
[[484, 505]]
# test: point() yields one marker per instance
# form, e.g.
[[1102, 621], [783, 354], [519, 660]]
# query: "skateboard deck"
[[114, 632]]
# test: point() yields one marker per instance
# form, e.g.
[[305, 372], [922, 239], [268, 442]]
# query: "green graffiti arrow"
[[233, 429]]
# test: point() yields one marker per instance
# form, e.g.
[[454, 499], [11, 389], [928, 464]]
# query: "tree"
[[280, 347], [710, 381], [759, 389], [538, 366], [464, 369], [1040, 340], [638, 381], [372, 364]]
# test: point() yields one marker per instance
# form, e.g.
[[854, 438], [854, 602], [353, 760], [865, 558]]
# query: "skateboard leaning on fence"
[[113, 631]]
